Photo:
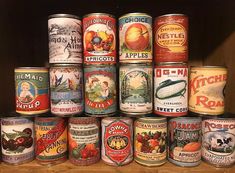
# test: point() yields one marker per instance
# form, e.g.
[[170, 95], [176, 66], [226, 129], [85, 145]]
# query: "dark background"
[[24, 40]]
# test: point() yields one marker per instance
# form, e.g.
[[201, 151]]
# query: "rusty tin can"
[[100, 90], [66, 84], [135, 37], [84, 140], [207, 86], [32, 90], [65, 38], [99, 43], [171, 89], [218, 139], [51, 140], [135, 88], [184, 141], [171, 38], [17, 139], [117, 135], [150, 137]]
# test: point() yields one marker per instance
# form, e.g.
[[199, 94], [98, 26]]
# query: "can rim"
[[115, 118], [62, 15], [173, 14], [99, 14], [135, 13], [188, 118], [171, 63], [209, 66], [152, 118], [31, 68], [65, 65], [47, 118], [135, 63]]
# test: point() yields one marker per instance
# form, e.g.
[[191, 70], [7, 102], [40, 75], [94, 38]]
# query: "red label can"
[[117, 135], [171, 38], [83, 135], [99, 38]]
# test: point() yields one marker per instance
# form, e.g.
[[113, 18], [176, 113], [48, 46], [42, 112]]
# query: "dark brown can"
[[171, 38], [84, 140]]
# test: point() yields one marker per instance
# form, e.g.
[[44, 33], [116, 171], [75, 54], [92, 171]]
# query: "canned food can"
[[51, 136], [65, 38], [84, 140], [135, 88], [32, 90], [171, 89], [184, 141], [207, 86], [17, 139], [100, 90], [135, 37], [117, 135], [66, 84], [150, 136], [218, 136], [171, 38], [99, 43]]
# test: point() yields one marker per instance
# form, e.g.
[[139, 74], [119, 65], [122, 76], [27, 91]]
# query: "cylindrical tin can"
[[150, 141], [32, 90], [17, 138], [171, 38], [207, 86], [117, 135], [66, 84], [84, 140], [99, 43], [218, 139], [51, 136], [100, 90], [135, 38], [135, 88], [184, 141], [65, 38], [171, 89]]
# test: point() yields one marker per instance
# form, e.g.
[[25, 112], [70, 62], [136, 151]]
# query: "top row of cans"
[[94, 38]]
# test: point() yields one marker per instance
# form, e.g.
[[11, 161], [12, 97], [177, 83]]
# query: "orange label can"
[[171, 38], [206, 88]]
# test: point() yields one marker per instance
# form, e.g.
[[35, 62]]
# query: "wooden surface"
[[101, 167]]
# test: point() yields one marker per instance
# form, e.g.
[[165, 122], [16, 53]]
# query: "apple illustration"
[[137, 37], [89, 36]]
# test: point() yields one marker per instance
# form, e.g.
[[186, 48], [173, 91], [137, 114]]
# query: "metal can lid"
[[152, 119], [21, 69], [110, 119], [136, 64], [173, 14], [99, 14], [171, 64], [135, 14], [63, 16], [66, 65]]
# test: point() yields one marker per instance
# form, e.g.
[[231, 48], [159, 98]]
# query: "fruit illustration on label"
[[137, 37], [17, 141]]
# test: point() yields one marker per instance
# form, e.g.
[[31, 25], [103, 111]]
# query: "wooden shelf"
[[103, 168]]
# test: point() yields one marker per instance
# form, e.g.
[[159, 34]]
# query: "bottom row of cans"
[[182, 140]]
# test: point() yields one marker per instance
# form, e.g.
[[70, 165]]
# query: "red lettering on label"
[[209, 104]]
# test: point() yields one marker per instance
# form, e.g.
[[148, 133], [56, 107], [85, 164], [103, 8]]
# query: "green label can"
[[100, 90], [135, 35], [32, 90]]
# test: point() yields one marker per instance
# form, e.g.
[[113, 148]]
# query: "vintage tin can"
[[100, 90], [32, 90], [65, 38], [135, 88], [218, 136], [171, 38], [135, 38], [184, 141], [66, 84], [207, 85], [99, 43], [51, 136], [171, 89], [150, 136], [117, 135], [84, 140], [17, 138]]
